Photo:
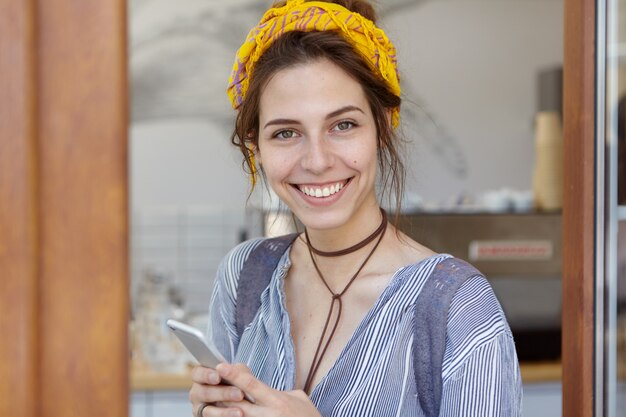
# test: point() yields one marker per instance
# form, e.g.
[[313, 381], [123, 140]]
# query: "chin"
[[322, 221]]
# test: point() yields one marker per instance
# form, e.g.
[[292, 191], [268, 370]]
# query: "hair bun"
[[362, 7]]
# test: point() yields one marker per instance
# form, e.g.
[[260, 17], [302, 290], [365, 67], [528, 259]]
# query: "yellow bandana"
[[298, 15]]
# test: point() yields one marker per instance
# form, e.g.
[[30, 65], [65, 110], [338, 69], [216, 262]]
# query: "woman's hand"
[[268, 402], [206, 388]]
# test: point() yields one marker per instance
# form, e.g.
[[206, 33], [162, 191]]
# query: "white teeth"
[[322, 192]]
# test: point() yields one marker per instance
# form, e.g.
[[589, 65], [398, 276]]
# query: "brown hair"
[[294, 48]]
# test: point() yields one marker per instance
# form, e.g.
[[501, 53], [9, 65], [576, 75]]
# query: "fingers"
[[202, 393], [206, 388], [203, 375], [216, 411], [278, 404], [240, 376], [198, 410]]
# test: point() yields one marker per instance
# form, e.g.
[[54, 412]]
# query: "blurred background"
[[482, 88]]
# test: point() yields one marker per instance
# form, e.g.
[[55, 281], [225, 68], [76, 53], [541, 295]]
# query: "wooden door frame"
[[18, 212], [64, 304], [579, 92]]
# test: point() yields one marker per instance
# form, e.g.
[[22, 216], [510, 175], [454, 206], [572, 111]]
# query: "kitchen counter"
[[150, 381]]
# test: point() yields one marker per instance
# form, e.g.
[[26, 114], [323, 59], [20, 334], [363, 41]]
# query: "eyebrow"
[[330, 115], [342, 110]]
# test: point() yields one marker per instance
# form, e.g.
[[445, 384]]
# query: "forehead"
[[310, 89]]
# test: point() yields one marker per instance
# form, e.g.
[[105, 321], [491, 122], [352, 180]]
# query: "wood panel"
[[83, 194], [18, 228], [578, 208], [63, 209]]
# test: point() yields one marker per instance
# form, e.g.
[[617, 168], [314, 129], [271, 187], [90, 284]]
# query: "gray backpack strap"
[[255, 276], [430, 329]]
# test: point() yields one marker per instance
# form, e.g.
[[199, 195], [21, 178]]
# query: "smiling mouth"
[[322, 191]]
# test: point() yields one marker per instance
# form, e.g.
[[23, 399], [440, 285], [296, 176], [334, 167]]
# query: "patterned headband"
[[298, 15]]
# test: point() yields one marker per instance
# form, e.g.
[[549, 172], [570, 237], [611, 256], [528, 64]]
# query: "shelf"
[[532, 372], [536, 372], [151, 381]]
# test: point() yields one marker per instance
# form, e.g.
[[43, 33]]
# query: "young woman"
[[317, 93]]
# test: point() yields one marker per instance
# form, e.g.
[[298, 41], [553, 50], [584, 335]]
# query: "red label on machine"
[[510, 250]]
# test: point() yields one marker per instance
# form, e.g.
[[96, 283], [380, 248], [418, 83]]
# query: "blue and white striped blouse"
[[373, 375]]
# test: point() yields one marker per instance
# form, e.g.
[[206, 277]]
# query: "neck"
[[356, 230]]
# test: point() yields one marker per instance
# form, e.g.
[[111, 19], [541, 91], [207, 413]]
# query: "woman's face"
[[318, 145]]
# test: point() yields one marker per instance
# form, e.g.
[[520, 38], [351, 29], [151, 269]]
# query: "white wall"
[[472, 66], [188, 190], [185, 162], [180, 57]]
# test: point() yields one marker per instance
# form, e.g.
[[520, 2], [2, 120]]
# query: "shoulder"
[[229, 269], [475, 308], [475, 320], [473, 303], [234, 262], [474, 316]]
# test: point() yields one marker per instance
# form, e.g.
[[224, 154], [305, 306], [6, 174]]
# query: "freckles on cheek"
[[278, 166]]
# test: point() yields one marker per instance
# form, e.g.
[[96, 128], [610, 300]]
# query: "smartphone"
[[197, 345], [194, 341]]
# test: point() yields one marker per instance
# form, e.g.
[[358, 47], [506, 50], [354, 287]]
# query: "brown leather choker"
[[353, 248], [320, 352]]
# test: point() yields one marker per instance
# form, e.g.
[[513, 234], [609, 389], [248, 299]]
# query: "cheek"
[[276, 167], [365, 157]]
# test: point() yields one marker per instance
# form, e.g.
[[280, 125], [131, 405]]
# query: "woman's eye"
[[285, 134], [345, 125]]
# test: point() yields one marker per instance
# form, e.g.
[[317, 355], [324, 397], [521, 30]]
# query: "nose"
[[318, 155]]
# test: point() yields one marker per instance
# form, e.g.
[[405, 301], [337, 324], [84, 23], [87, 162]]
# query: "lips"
[[321, 191]]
